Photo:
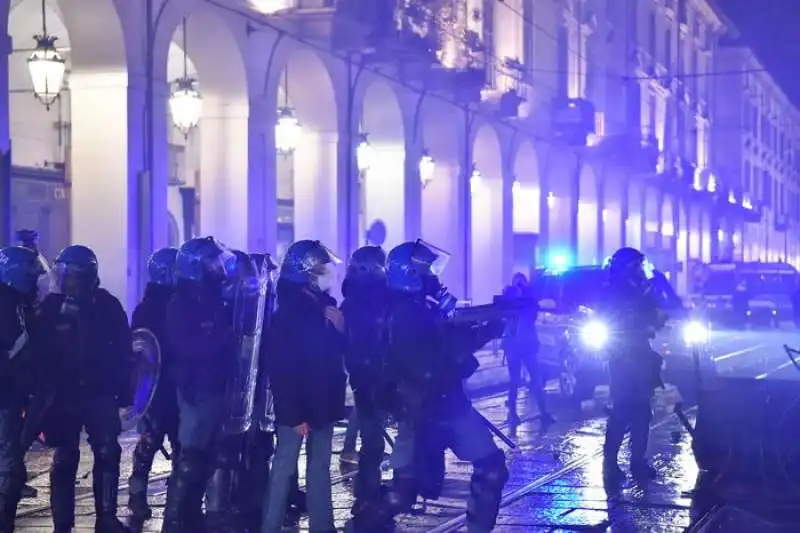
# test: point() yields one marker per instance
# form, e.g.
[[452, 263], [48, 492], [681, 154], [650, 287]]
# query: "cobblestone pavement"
[[556, 481]]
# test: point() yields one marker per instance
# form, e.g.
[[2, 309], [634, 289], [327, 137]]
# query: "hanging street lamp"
[[427, 166], [185, 105], [287, 131], [475, 181], [46, 66], [364, 154], [287, 127], [185, 101]]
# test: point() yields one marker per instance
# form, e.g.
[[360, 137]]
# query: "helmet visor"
[[430, 255]]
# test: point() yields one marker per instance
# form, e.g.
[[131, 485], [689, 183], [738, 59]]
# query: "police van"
[[573, 335], [745, 293]]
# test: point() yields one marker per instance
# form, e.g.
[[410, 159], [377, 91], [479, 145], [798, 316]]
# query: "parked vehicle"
[[573, 334]]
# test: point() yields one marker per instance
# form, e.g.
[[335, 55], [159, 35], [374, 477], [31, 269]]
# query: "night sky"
[[772, 29]]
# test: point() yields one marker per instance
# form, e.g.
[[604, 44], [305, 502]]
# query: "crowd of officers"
[[66, 362]]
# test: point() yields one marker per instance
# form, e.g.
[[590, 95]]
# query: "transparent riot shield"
[[249, 300]]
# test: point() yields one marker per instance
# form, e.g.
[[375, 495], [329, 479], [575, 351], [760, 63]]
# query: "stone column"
[[224, 141]]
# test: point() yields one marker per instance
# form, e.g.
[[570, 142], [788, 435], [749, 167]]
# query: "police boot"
[[143, 456], [377, 515], [105, 487], [9, 498], [489, 476], [220, 516], [182, 513], [62, 488]]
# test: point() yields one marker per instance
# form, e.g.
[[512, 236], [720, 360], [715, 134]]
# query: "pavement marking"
[[738, 352], [776, 369]]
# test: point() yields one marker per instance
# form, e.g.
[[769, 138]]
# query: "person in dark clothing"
[[306, 370], [20, 270], [200, 336], [365, 307], [428, 358], [87, 333], [161, 419], [631, 308], [521, 346]]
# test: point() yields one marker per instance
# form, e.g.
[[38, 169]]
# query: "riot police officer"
[[200, 335], [20, 270], [86, 331], [634, 316], [305, 361], [161, 419], [429, 357], [365, 306], [521, 346]]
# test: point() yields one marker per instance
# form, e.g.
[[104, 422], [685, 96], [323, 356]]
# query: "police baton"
[[499, 434]]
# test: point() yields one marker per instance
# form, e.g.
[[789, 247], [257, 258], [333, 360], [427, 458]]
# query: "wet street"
[[556, 476]]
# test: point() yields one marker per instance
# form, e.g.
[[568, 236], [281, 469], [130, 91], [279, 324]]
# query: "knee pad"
[[491, 471], [147, 447]]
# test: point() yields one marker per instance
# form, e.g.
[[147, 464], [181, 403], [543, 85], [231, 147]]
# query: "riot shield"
[[265, 409], [248, 319], [145, 375]]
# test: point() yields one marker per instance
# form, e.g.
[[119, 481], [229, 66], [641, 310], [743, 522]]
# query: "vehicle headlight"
[[695, 333], [594, 334]]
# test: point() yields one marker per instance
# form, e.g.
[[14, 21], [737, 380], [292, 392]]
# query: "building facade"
[[513, 134], [758, 147]]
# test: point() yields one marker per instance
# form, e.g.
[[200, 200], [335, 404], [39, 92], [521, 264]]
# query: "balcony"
[[431, 42]]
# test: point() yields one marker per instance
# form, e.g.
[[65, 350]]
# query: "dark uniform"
[[428, 359], [20, 270], [200, 336], [365, 308], [161, 419], [632, 309], [86, 331], [521, 346], [305, 362]]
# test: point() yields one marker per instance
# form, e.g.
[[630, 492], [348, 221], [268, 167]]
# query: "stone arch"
[[92, 113], [588, 252], [682, 250], [310, 190], [706, 236], [652, 209], [487, 251], [633, 224], [613, 200], [443, 200], [216, 152], [383, 185], [526, 190]]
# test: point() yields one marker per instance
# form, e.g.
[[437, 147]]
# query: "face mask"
[[327, 280]]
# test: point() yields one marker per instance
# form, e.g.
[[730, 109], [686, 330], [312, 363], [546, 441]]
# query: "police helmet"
[[367, 263], [305, 261], [204, 260], [161, 266], [28, 238], [76, 269], [410, 265], [20, 268], [627, 264]]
